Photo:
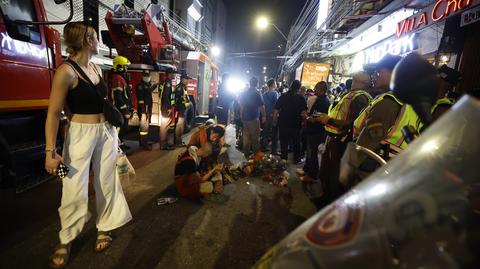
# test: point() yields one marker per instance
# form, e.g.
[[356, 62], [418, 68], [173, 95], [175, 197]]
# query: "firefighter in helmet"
[[121, 92]]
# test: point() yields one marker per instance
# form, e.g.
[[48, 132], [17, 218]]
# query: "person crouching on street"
[[191, 179]]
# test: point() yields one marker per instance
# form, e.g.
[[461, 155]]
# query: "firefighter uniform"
[[338, 129], [180, 102], [121, 92], [144, 99], [144, 106], [166, 100]]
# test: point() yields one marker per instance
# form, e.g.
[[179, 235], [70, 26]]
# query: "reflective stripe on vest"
[[359, 123], [161, 87], [341, 110], [184, 96], [442, 101], [406, 116], [160, 93], [395, 138]]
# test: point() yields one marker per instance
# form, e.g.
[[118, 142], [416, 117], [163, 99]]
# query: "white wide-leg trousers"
[[96, 144]]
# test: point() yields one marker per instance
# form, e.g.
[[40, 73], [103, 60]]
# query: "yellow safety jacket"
[[341, 110], [185, 99], [442, 101], [394, 138], [161, 87]]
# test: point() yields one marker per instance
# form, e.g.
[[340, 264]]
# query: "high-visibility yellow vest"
[[394, 138], [442, 101], [341, 110], [185, 99], [161, 87]]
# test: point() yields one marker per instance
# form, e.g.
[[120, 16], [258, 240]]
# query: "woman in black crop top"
[[90, 139]]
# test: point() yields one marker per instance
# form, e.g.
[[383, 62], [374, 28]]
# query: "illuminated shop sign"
[[20, 47], [440, 10], [395, 46], [470, 16], [399, 46]]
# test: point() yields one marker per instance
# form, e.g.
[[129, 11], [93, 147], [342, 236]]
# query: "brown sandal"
[[106, 240], [65, 256]]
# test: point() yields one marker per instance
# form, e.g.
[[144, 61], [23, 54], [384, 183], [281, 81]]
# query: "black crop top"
[[84, 98]]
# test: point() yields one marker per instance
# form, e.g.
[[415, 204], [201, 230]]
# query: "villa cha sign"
[[436, 12]]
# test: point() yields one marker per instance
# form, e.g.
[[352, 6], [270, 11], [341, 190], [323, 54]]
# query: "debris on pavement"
[[270, 168], [166, 200]]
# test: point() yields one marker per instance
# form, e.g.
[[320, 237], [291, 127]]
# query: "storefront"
[[459, 40], [445, 32]]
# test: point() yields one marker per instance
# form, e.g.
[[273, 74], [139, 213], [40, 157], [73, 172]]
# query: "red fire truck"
[[29, 54], [203, 87]]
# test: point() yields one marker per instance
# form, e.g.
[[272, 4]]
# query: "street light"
[[215, 51], [263, 22]]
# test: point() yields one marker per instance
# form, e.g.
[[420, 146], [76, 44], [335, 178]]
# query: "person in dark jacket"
[[315, 131], [224, 103], [166, 107], [289, 111], [144, 107], [180, 103]]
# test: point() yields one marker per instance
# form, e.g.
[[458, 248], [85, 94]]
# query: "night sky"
[[242, 34]]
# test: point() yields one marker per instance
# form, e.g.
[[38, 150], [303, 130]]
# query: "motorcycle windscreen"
[[420, 210]]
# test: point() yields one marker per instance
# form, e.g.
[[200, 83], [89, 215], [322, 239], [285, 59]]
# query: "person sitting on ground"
[[212, 134], [191, 180]]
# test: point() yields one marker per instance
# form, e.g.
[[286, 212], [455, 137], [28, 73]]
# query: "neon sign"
[[399, 46], [434, 13], [395, 47], [20, 47]]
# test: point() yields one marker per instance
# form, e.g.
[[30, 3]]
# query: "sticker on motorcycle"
[[338, 225]]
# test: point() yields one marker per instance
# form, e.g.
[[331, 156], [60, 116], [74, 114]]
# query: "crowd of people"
[[321, 126]]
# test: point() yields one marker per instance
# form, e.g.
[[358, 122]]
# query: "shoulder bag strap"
[[80, 71]]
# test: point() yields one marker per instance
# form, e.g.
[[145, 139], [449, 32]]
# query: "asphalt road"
[[185, 234]]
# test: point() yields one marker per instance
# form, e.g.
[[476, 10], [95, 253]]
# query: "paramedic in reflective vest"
[[144, 106], [382, 121], [338, 126], [378, 127], [181, 103], [166, 108], [121, 92], [449, 79]]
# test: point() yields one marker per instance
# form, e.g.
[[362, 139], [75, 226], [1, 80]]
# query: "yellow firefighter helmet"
[[119, 63]]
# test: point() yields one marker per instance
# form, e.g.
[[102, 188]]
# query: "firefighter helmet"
[[119, 63]]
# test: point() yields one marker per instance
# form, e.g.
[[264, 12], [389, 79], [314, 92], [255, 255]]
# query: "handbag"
[[112, 114], [124, 169]]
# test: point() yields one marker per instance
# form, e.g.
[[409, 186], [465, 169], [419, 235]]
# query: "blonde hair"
[[74, 35]]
